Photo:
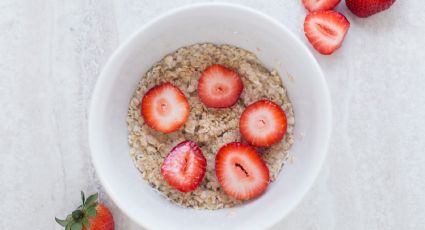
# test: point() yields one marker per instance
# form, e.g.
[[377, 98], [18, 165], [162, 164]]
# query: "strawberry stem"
[[77, 215]]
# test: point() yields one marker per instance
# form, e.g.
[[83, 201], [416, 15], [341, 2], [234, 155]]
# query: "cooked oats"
[[210, 128]]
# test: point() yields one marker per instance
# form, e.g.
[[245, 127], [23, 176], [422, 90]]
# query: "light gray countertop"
[[51, 53]]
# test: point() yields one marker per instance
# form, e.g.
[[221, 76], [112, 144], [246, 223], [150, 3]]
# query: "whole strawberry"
[[366, 8], [91, 215]]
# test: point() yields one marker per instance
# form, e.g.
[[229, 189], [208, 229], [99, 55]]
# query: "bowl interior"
[[215, 23]]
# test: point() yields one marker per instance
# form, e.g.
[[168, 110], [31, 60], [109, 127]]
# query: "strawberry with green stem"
[[91, 215]]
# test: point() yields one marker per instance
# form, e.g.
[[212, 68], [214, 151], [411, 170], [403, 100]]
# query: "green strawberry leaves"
[[77, 226], [82, 215], [91, 212], [91, 200], [63, 223], [83, 198], [86, 223]]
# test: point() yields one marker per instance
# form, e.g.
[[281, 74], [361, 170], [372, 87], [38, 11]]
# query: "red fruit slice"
[[241, 172], [165, 108], [315, 5], [263, 123], [184, 167], [219, 87], [366, 8], [326, 30]]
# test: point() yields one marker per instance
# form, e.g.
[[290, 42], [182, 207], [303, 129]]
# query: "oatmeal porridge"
[[210, 128]]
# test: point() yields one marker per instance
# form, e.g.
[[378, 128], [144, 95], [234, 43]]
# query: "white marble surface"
[[51, 53]]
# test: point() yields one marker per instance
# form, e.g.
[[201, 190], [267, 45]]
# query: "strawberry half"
[[241, 171], [326, 30], [219, 87], [184, 167], [165, 108], [263, 123], [315, 5], [366, 8]]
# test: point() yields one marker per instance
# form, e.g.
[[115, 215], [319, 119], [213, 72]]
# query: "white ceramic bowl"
[[216, 23]]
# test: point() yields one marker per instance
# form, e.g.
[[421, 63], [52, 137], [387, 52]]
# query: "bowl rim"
[[123, 46]]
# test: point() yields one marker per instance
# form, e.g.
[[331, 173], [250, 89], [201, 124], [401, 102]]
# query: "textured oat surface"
[[210, 128]]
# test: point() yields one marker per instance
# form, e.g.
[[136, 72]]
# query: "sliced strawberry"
[[263, 123], [165, 108], [326, 30], [315, 5], [366, 8], [184, 167], [241, 171], [219, 87]]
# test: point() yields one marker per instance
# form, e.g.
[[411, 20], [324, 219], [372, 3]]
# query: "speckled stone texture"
[[51, 53]]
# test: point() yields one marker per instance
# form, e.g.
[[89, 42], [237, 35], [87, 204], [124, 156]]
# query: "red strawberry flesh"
[[263, 123], [184, 167], [241, 172], [366, 8], [219, 87], [103, 219], [316, 5], [165, 108], [326, 30]]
